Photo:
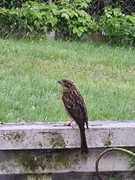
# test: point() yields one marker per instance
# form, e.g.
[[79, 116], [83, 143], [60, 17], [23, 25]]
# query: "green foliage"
[[8, 21], [14, 3], [117, 26], [69, 19], [80, 4], [39, 17], [132, 162], [32, 18], [127, 6], [97, 7], [11, 3], [73, 20]]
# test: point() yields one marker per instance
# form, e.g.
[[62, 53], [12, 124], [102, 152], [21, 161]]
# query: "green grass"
[[29, 71]]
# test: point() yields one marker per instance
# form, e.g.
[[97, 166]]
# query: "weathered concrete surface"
[[52, 136], [60, 161], [73, 176], [26, 177], [39, 177], [106, 176], [36, 149], [12, 177]]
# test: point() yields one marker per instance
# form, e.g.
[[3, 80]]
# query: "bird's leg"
[[69, 123]]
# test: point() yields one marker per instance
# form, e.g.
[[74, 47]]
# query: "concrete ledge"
[[45, 148], [57, 136], [42, 162]]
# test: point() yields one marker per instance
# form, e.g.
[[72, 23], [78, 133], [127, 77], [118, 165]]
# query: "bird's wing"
[[76, 108]]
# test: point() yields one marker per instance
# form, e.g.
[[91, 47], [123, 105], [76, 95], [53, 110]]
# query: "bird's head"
[[66, 84]]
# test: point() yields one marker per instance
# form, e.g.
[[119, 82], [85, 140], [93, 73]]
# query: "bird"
[[76, 108]]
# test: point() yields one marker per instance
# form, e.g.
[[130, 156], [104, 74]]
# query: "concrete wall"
[[90, 176], [43, 151], [77, 176]]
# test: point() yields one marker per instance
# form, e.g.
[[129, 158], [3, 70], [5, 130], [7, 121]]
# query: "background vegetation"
[[29, 71], [71, 19]]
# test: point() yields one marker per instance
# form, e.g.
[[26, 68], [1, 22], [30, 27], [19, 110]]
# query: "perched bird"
[[76, 108]]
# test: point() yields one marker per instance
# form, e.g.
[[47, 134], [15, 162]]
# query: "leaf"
[[66, 16]]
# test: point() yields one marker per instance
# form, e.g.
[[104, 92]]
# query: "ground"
[[29, 70]]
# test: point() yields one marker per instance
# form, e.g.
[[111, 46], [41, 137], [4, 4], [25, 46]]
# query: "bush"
[[8, 21], [117, 26], [8, 4], [96, 7], [11, 3], [71, 20], [32, 19], [127, 6], [39, 17]]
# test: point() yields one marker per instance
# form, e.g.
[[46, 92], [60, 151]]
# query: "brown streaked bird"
[[76, 108]]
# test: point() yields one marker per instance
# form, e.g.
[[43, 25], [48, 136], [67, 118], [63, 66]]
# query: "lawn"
[[29, 71]]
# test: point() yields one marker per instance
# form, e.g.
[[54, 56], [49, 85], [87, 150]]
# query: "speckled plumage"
[[76, 108]]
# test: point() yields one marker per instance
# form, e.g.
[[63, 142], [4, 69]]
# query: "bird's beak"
[[60, 82]]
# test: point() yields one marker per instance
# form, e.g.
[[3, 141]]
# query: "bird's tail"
[[84, 147], [87, 124]]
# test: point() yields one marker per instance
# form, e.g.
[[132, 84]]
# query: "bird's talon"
[[67, 124]]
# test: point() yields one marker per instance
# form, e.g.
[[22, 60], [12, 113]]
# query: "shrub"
[[8, 21], [127, 6], [14, 3], [73, 20], [11, 3], [96, 7], [32, 19], [117, 26], [68, 18], [38, 18]]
